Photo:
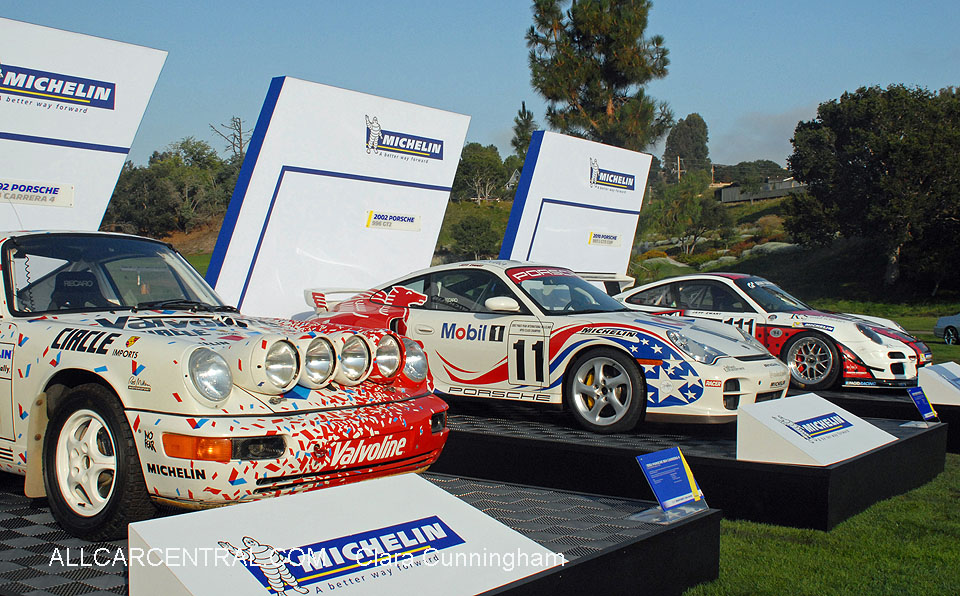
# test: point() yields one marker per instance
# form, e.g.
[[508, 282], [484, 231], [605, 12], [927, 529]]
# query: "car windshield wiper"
[[226, 308], [176, 303]]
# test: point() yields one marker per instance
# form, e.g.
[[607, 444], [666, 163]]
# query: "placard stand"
[[658, 516], [673, 485]]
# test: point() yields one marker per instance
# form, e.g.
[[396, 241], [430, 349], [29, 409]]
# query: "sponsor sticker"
[[524, 273], [6, 360]]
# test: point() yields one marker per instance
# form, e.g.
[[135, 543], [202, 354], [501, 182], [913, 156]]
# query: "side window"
[[726, 300], [695, 296], [463, 290], [705, 295], [658, 296]]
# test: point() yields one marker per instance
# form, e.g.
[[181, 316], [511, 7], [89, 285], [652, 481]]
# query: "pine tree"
[[591, 62], [523, 127]]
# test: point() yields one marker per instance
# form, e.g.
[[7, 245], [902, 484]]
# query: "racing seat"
[[76, 289]]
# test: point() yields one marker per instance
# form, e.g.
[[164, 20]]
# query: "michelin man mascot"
[[374, 132], [594, 171], [269, 561]]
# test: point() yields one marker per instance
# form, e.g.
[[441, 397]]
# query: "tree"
[[235, 136], [523, 127], [687, 211], [591, 63], [480, 174], [746, 170], [882, 164], [688, 141], [143, 202], [475, 235]]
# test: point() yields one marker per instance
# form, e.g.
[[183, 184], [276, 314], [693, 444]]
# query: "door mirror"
[[501, 304]]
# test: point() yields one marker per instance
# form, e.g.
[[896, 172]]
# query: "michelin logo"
[[812, 428], [610, 179], [6, 360], [42, 85], [322, 561], [380, 141]]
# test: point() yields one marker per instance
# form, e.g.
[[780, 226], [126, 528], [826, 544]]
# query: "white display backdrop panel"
[[396, 535], [338, 189], [803, 429], [70, 105], [941, 383], [577, 204]]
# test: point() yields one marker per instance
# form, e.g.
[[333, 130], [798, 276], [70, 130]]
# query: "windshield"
[[769, 295], [89, 272], [561, 292]]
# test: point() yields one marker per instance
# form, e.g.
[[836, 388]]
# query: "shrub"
[[652, 254]]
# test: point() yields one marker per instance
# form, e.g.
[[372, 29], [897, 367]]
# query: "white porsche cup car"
[[820, 348], [125, 381], [509, 330]]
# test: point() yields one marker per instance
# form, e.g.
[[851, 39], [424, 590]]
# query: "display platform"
[[607, 551], [894, 404], [542, 447]]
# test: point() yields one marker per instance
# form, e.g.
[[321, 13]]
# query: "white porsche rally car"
[[511, 330], [819, 347], [126, 381]]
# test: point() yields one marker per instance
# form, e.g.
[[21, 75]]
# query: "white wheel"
[[86, 463], [91, 470]]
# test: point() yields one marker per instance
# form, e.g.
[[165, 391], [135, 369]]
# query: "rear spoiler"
[[320, 299], [612, 283]]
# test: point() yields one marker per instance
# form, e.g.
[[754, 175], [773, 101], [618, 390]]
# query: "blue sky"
[[752, 69]]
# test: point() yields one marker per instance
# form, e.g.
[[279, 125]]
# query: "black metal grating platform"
[[40, 559], [894, 404], [530, 445]]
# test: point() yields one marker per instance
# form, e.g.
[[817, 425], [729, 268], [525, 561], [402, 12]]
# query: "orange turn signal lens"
[[202, 448]]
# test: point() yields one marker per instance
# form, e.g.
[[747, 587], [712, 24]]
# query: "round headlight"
[[354, 358], [415, 367], [319, 360], [388, 356], [210, 374], [281, 364]]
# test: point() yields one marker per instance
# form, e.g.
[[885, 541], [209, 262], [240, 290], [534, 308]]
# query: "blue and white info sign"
[[922, 403], [670, 478]]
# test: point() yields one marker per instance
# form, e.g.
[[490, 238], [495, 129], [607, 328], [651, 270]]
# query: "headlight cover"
[[354, 360], [388, 356], [281, 364], [319, 363], [696, 350], [752, 341], [870, 333], [210, 375], [415, 368]]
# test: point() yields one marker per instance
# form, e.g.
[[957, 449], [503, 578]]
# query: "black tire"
[[98, 508], [599, 381], [813, 360], [950, 336]]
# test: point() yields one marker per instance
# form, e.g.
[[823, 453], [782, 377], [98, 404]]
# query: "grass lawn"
[[909, 544]]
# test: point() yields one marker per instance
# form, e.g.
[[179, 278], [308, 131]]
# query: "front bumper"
[[719, 390], [871, 365], [323, 448]]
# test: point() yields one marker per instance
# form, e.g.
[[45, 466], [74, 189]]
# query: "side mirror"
[[502, 304]]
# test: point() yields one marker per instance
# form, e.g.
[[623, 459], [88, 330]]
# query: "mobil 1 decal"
[[527, 353]]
